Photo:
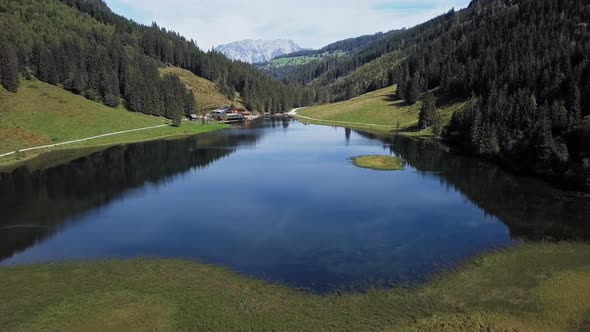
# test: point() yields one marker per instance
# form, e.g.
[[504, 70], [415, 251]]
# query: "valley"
[[434, 176]]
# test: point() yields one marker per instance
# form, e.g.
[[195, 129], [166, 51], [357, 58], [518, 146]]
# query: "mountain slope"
[[379, 109], [281, 67], [207, 95], [258, 51], [40, 114], [525, 65], [91, 51]]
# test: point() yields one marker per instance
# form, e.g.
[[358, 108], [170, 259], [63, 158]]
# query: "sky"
[[310, 23]]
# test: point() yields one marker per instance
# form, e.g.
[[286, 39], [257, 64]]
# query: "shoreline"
[[529, 287], [426, 135], [383, 129], [81, 147]]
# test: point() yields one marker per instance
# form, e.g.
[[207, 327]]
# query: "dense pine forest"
[[524, 64], [84, 47]]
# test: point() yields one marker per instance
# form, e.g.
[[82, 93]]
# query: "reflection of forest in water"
[[531, 209], [32, 204]]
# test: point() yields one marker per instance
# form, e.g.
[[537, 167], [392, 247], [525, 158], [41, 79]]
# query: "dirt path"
[[81, 140]]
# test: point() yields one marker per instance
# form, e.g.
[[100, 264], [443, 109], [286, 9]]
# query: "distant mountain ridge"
[[257, 51]]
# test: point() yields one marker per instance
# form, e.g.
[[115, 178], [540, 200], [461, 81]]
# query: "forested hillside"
[[296, 66], [328, 76], [91, 51], [524, 64]]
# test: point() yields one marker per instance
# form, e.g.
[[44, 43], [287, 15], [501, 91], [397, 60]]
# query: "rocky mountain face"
[[258, 51]]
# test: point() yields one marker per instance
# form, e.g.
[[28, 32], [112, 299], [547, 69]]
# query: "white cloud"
[[310, 23]]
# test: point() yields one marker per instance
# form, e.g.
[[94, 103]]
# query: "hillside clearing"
[[206, 93], [379, 110], [42, 114]]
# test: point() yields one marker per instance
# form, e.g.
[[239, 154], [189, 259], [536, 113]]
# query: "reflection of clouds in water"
[[288, 207]]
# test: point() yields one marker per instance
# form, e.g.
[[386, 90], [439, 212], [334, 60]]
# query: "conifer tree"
[[9, 71], [427, 111]]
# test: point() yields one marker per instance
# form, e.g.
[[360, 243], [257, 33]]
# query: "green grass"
[[533, 287], [206, 94], [42, 114], [38, 159], [377, 110], [294, 61], [301, 60], [381, 163]]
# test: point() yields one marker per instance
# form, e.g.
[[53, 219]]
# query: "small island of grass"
[[381, 163]]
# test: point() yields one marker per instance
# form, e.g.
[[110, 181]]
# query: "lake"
[[281, 201]]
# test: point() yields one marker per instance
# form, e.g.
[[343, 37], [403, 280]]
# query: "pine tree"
[[427, 111], [412, 93], [9, 73], [576, 104], [437, 124]]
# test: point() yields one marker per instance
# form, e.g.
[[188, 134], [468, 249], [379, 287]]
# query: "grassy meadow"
[[293, 61], [207, 95], [378, 110], [302, 60], [41, 114], [531, 287]]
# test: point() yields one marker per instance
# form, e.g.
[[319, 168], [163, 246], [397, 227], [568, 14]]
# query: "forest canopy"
[[91, 51]]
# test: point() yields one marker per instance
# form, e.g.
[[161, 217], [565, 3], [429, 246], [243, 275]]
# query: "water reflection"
[[34, 204], [281, 202], [531, 209]]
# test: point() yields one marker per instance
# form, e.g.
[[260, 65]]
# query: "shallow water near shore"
[[281, 201]]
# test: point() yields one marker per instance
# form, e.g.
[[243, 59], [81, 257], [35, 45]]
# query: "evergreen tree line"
[[259, 92], [9, 66], [332, 53], [91, 51], [368, 68], [525, 66], [88, 60]]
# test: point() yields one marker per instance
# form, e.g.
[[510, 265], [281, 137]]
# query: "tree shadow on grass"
[[394, 100]]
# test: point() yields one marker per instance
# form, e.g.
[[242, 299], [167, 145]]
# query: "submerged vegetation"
[[532, 287], [382, 163]]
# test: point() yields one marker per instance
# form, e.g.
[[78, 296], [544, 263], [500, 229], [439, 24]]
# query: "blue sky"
[[310, 23]]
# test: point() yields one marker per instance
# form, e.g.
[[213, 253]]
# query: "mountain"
[[258, 51], [349, 45], [282, 66]]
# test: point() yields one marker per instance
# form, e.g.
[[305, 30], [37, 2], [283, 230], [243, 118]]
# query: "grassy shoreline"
[[44, 158], [530, 287], [379, 111], [41, 114]]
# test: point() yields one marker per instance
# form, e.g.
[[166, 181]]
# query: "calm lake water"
[[281, 202]]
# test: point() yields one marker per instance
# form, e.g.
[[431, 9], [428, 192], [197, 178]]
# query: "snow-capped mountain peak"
[[257, 51]]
